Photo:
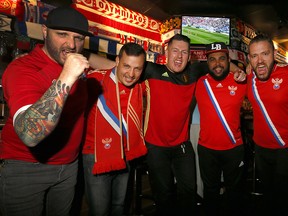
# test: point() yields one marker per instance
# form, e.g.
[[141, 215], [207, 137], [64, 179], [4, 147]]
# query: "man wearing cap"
[[41, 138], [220, 146]]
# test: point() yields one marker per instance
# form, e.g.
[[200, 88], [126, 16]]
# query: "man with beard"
[[220, 146], [41, 138], [267, 92]]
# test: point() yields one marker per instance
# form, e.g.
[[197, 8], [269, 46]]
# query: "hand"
[[239, 76], [74, 66]]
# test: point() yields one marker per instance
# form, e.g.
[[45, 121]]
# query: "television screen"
[[205, 30]]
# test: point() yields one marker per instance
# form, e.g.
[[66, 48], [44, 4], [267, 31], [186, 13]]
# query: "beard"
[[265, 77], [222, 76], [53, 51]]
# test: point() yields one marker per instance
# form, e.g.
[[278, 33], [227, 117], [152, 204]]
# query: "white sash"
[[265, 113], [219, 111]]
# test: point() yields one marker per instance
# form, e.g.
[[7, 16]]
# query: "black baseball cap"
[[68, 19], [216, 47]]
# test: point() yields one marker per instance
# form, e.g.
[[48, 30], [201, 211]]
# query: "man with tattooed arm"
[[42, 136]]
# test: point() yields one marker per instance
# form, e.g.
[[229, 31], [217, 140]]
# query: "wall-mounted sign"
[[122, 19]]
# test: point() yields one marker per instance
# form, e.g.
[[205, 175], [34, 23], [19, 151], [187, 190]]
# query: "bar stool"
[[139, 188]]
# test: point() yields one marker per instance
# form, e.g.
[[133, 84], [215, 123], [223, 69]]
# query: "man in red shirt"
[[220, 146], [267, 92], [41, 138], [114, 134]]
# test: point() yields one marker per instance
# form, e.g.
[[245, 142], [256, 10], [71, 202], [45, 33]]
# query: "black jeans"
[[173, 178], [272, 168], [230, 163]]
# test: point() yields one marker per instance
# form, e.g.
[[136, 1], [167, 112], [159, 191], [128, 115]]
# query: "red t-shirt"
[[269, 100], [169, 97], [24, 82], [219, 127]]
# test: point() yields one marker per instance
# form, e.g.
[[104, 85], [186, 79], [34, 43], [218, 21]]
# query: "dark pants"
[[173, 178], [272, 169], [27, 189], [214, 163]]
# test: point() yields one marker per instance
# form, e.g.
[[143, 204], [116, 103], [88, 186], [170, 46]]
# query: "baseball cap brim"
[[214, 51]]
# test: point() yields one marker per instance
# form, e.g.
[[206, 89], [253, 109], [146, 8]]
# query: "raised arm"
[[40, 119], [100, 62]]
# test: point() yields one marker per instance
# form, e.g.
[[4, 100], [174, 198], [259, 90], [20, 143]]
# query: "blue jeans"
[[27, 189], [167, 166], [105, 193]]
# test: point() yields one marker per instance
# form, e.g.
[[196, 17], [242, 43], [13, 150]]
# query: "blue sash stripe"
[[265, 113], [108, 115], [219, 111]]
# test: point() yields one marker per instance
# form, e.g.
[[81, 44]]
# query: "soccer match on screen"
[[205, 30]]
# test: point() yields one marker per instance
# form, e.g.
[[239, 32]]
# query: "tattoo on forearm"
[[39, 120]]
